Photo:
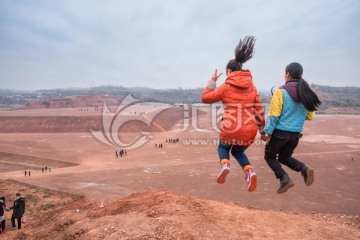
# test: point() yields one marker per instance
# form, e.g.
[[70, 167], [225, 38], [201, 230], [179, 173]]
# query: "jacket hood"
[[241, 79], [291, 87]]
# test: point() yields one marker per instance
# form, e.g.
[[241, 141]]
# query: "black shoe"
[[285, 184], [308, 174]]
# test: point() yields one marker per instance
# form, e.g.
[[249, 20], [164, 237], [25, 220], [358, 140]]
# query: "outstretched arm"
[[16, 205], [210, 93]]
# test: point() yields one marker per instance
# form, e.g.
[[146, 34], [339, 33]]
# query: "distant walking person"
[[25, 173], [2, 217], [29, 173], [18, 210], [290, 106], [42, 169]]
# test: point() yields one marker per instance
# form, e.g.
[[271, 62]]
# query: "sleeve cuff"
[[211, 84]]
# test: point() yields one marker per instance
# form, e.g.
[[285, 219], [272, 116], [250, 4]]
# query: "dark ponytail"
[[243, 52], [305, 93], [307, 96]]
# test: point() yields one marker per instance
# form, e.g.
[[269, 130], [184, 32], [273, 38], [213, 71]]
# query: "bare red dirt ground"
[[328, 209], [159, 214]]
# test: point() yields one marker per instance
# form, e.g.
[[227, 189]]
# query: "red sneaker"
[[251, 179], [225, 169]]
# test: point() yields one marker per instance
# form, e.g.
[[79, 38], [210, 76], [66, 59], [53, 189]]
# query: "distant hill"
[[146, 94], [338, 99], [54, 98], [335, 99], [338, 96]]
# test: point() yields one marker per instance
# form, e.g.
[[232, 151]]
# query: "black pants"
[[18, 222], [3, 225], [279, 151]]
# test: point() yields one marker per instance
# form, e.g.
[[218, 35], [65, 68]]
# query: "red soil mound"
[[162, 215]]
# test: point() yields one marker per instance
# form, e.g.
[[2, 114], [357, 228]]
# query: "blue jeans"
[[236, 150]]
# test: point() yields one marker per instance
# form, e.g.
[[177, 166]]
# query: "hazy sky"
[[169, 44]]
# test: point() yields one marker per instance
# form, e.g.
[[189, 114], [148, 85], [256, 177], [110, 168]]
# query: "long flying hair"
[[305, 93], [243, 52]]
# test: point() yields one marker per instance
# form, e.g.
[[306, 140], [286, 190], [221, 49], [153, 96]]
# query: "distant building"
[[179, 105]]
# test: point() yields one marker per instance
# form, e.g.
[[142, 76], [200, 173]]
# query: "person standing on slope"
[[290, 106], [243, 113], [2, 217], [18, 210]]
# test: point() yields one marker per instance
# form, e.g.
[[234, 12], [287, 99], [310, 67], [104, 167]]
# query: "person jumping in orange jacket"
[[243, 113]]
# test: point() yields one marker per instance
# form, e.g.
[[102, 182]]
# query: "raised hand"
[[215, 76]]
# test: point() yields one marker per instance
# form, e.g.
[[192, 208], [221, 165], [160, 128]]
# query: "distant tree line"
[[330, 96]]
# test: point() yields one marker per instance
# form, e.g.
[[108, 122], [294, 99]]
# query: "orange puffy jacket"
[[243, 113]]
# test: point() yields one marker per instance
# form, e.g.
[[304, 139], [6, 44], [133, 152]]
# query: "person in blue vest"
[[290, 106]]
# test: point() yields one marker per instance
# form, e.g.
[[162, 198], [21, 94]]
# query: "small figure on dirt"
[[116, 153], [18, 210], [243, 113], [2, 217], [42, 169], [25, 173], [29, 173], [290, 106]]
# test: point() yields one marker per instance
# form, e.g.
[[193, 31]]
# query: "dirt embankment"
[[11, 162], [74, 102], [160, 214], [163, 121], [41, 124]]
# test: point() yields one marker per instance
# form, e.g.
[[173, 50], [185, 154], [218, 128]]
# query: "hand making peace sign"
[[215, 76]]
